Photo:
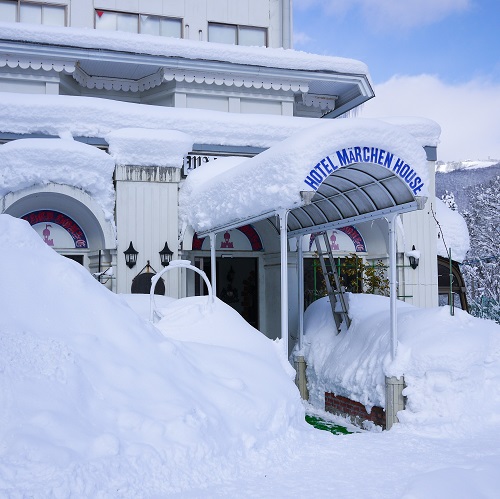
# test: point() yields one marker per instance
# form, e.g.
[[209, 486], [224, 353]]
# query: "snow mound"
[[451, 364], [27, 162], [97, 402], [147, 147]]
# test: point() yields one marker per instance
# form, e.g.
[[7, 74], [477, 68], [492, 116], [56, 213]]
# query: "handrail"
[[153, 310]]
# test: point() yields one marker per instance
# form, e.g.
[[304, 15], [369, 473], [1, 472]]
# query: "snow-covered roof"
[[453, 233], [94, 117], [355, 170], [26, 162], [146, 147], [174, 47], [136, 62]]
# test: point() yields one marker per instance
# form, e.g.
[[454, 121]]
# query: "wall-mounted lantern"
[[413, 257], [166, 255], [131, 256]]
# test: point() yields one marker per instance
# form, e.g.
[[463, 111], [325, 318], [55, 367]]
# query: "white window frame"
[[238, 27], [138, 15], [42, 5]]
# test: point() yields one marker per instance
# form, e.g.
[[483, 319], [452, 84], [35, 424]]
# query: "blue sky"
[[434, 58]]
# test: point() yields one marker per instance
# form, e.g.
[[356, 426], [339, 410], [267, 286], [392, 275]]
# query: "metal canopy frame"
[[349, 196]]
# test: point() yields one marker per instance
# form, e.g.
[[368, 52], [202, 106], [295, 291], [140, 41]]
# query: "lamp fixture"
[[131, 256], [166, 255], [413, 257]]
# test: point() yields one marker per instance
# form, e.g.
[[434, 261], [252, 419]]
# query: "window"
[[138, 23], [32, 12], [237, 35]]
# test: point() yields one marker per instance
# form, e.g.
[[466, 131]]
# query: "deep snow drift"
[[451, 364], [95, 402], [95, 399]]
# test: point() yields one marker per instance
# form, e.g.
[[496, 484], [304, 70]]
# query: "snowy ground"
[[96, 402]]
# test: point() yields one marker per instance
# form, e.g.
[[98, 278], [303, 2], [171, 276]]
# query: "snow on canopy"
[[97, 402], [28, 162], [275, 178], [146, 147], [174, 47], [454, 233], [94, 117]]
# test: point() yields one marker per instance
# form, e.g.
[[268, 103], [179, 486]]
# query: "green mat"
[[321, 424]]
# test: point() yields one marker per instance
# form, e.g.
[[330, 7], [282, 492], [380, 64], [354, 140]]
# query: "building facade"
[[108, 106]]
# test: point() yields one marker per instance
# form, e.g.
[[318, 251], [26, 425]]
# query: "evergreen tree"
[[481, 269], [449, 200]]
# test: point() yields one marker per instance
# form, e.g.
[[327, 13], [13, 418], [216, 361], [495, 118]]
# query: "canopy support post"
[[300, 270], [299, 361], [283, 216], [394, 400], [213, 263], [391, 221]]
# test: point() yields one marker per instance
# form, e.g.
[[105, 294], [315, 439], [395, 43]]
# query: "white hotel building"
[[107, 107]]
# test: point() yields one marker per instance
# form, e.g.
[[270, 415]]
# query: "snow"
[[95, 396], [97, 402], [451, 364], [275, 178], [425, 131], [146, 147], [454, 234], [94, 117], [27, 162], [173, 47], [443, 167]]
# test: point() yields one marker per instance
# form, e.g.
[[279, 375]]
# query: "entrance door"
[[237, 285]]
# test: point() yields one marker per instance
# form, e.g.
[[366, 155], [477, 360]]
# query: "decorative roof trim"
[[324, 102], [108, 83], [13, 61], [229, 81], [165, 74]]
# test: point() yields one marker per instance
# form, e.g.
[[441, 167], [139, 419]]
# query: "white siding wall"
[[420, 230], [27, 84], [195, 13], [146, 214]]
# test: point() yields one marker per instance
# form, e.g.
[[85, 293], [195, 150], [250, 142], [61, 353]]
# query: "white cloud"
[[382, 14], [300, 38], [467, 113]]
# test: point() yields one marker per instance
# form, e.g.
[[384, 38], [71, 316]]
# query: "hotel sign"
[[360, 154], [193, 161]]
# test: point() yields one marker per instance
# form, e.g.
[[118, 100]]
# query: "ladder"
[[337, 295]]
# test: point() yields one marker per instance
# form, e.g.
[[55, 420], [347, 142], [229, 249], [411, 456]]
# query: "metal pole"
[[213, 265], [283, 216], [300, 270], [452, 303], [392, 284]]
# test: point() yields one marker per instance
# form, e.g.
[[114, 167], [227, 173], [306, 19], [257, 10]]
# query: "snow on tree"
[[481, 269], [449, 200]]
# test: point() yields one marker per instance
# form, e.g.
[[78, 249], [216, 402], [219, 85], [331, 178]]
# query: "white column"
[[213, 263], [300, 271], [391, 222], [283, 216]]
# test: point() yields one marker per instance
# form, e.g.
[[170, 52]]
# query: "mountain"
[[443, 167], [458, 177]]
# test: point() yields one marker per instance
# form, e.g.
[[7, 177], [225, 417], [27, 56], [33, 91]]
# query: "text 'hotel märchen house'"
[[137, 133]]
